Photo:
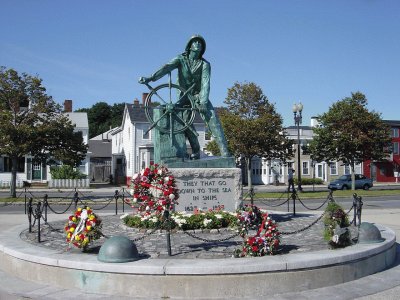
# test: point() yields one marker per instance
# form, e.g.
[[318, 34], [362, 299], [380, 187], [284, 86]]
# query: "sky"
[[311, 51]]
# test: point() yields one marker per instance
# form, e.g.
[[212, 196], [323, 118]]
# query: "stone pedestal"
[[208, 188]]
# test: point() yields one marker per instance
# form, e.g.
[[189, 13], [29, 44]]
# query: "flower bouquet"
[[82, 228]]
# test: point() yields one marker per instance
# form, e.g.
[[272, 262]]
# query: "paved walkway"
[[217, 244], [384, 285]]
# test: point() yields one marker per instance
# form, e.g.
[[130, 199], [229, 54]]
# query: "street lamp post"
[[297, 110]]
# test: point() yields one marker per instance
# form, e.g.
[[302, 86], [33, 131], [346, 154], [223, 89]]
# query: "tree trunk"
[[353, 177], [13, 184], [248, 163], [249, 182]]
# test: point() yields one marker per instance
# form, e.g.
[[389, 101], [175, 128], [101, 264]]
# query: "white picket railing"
[[7, 183], [69, 183]]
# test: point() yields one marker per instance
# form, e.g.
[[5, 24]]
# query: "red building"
[[387, 171]]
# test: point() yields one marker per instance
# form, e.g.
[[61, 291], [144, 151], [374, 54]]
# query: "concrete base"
[[195, 278]]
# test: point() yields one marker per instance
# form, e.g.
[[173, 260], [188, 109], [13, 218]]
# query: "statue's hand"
[[144, 80], [202, 108]]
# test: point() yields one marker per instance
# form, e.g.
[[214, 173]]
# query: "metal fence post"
[[25, 201], [45, 204], [30, 212], [123, 200], [76, 199], [38, 216], [116, 201]]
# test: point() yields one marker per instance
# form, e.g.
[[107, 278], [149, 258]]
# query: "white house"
[[274, 171], [40, 172], [132, 148]]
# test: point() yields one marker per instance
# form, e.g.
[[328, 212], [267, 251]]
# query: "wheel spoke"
[[186, 124], [185, 93], [155, 122]]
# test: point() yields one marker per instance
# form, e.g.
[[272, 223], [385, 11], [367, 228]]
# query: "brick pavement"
[[184, 246]]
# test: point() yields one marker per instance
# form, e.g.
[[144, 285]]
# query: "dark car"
[[344, 182]]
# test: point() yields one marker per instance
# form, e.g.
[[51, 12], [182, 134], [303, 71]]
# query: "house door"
[[373, 172], [320, 171], [36, 171]]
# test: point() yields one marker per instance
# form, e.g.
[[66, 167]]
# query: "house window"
[[395, 132], [396, 148], [305, 169], [20, 165], [333, 168], [146, 133], [346, 169]]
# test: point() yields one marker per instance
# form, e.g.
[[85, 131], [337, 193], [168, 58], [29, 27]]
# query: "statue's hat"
[[199, 38]]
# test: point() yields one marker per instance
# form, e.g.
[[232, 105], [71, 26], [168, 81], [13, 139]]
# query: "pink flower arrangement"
[[265, 241], [154, 189]]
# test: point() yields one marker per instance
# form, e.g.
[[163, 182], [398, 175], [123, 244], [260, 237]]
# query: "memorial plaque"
[[204, 189]]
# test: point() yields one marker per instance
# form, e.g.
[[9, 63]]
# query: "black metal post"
[[76, 199], [297, 110], [294, 202], [116, 201], [25, 201], [45, 203], [38, 216], [123, 200], [30, 212], [355, 209]]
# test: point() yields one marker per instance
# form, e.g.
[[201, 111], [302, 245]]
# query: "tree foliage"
[[252, 126], [32, 123], [102, 117], [350, 133]]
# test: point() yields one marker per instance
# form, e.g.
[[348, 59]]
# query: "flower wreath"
[[336, 219], [267, 238], [82, 228], [154, 189]]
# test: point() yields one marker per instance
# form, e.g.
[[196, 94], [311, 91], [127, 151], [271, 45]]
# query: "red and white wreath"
[[154, 189]]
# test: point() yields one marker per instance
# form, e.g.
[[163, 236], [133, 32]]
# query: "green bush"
[[203, 220], [66, 172], [310, 181]]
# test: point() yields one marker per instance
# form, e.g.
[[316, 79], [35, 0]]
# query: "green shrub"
[[201, 220], [310, 181], [66, 172]]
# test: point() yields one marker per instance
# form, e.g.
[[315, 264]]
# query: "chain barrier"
[[317, 208], [304, 228], [275, 205], [60, 213], [209, 240], [147, 234], [77, 198]]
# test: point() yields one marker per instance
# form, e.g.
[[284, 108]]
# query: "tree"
[[350, 133], [32, 123], [252, 126], [102, 117]]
